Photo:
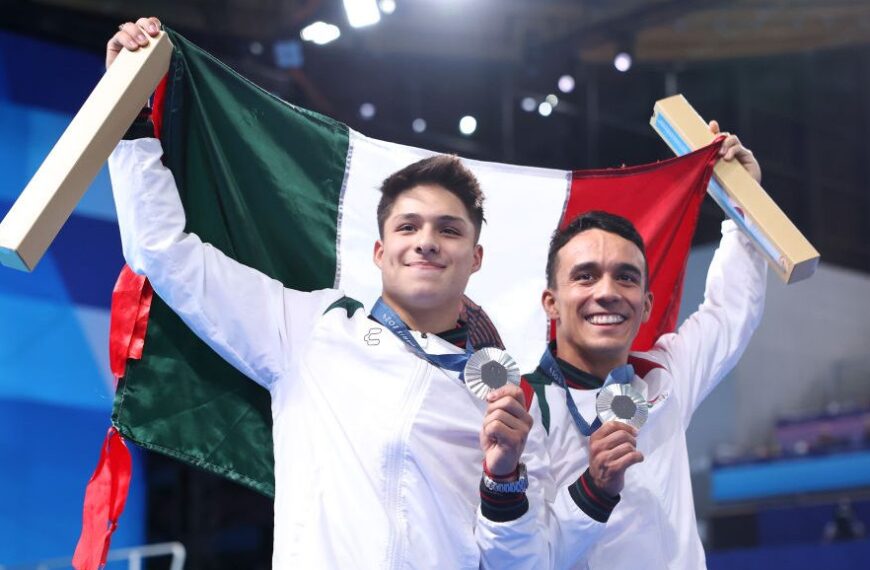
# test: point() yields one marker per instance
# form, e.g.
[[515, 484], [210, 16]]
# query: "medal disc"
[[489, 369], [622, 403]]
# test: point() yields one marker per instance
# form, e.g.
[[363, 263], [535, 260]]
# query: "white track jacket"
[[377, 459], [654, 526]]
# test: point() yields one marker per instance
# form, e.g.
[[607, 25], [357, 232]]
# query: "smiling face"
[[598, 300], [426, 256]]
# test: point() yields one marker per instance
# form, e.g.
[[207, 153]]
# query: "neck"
[[429, 320], [599, 365]]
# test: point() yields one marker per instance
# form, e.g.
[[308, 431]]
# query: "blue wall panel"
[[49, 453], [792, 476], [55, 386], [840, 556]]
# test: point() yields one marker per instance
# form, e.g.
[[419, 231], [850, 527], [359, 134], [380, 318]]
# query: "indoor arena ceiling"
[[791, 77], [504, 30]]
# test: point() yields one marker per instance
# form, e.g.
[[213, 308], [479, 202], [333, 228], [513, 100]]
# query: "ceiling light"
[[361, 13], [367, 111], [320, 33], [622, 61], [467, 125], [528, 104]]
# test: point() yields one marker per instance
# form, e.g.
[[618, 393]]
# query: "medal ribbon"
[[386, 316], [619, 375]]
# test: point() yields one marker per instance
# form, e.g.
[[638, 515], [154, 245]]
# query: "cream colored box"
[[789, 253], [54, 191]]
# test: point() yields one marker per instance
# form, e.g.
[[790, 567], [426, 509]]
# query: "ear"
[[647, 306], [477, 260], [548, 301], [378, 253]]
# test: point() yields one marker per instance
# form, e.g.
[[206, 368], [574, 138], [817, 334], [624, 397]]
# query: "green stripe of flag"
[[261, 180]]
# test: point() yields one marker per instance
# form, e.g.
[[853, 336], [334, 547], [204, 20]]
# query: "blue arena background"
[[55, 384]]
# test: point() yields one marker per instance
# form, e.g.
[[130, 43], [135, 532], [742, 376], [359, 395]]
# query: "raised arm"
[[248, 318], [710, 342]]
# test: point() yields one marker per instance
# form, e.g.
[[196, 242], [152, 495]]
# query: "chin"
[[607, 348], [424, 298]]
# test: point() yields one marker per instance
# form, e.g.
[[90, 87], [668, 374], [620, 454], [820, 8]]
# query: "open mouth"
[[606, 319]]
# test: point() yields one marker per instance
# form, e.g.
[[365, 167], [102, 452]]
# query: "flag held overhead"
[[54, 191], [788, 252]]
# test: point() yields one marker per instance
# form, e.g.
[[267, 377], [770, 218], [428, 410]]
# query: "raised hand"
[[612, 450], [732, 148], [131, 36], [506, 426]]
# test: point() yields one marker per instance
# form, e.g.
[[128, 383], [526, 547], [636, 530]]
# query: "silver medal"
[[489, 369], [622, 403]]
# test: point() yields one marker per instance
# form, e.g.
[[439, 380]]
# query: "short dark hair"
[[444, 170], [593, 220]]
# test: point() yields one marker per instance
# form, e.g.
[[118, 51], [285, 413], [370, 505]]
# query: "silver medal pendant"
[[622, 403], [489, 369]]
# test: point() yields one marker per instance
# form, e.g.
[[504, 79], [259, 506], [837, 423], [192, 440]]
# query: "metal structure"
[[132, 555]]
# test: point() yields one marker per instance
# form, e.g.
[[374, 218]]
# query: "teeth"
[[605, 319]]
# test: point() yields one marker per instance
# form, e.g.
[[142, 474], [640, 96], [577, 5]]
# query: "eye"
[[451, 231], [629, 278], [406, 227], [582, 276]]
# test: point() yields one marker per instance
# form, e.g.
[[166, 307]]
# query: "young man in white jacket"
[[378, 446], [598, 295]]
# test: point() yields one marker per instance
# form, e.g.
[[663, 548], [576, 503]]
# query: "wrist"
[[516, 485], [598, 486], [509, 477], [592, 500]]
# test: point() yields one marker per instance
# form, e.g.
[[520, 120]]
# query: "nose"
[[427, 242], [607, 291]]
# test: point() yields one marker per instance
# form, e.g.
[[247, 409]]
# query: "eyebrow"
[[622, 267], [629, 268], [445, 219], [588, 266]]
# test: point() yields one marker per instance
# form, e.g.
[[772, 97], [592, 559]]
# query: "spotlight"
[[256, 48], [566, 84], [320, 33], [552, 100], [467, 125], [367, 111], [361, 13], [388, 6], [419, 125], [545, 109], [622, 61], [528, 104]]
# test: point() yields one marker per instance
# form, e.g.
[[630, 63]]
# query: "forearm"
[[561, 523], [150, 215], [711, 341], [236, 310]]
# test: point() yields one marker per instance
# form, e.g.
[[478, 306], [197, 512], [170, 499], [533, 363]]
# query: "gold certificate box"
[[788, 252], [54, 191]]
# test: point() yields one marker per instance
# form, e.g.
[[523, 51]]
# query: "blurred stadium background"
[[780, 451]]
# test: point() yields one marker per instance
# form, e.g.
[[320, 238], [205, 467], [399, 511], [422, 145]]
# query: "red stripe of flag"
[[663, 201]]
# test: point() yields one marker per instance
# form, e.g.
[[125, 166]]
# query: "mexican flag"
[[293, 194]]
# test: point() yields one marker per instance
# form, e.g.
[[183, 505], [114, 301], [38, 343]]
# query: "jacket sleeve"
[[711, 341], [239, 312], [555, 532]]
